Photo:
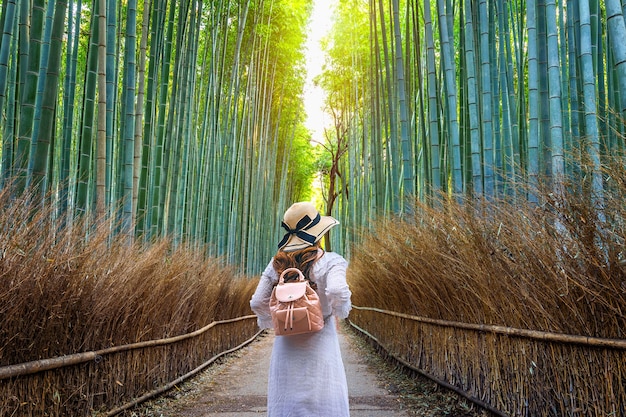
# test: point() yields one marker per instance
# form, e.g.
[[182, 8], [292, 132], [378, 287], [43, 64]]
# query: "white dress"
[[307, 377]]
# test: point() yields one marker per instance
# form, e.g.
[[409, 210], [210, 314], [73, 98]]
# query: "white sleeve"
[[337, 291], [260, 301]]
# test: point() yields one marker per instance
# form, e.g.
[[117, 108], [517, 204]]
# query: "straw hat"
[[305, 226]]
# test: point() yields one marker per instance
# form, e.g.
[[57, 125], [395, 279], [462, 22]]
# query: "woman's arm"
[[260, 301], [337, 291]]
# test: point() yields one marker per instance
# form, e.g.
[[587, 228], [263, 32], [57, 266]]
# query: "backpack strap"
[[281, 279]]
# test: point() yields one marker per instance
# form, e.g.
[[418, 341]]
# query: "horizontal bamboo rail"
[[510, 331], [438, 381], [178, 380], [76, 358]]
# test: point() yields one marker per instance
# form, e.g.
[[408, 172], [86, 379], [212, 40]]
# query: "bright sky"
[[314, 96]]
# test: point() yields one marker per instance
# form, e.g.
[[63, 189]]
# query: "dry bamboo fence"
[[116, 377], [515, 372]]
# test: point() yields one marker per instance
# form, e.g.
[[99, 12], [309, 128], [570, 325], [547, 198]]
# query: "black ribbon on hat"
[[305, 223]]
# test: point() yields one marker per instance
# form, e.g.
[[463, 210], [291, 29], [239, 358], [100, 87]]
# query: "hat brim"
[[319, 230]]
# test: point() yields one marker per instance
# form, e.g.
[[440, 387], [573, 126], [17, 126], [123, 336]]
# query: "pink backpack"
[[295, 306]]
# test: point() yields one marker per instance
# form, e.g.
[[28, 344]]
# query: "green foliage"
[[348, 51], [222, 114], [302, 165], [468, 70], [323, 158]]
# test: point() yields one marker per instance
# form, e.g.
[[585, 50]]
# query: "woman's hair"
[[302, 259]]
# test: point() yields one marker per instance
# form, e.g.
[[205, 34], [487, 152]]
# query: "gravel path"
[[238, 386]]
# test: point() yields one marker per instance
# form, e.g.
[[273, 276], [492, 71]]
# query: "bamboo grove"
[[485, 100], [152, 125], [185, 118], [179, 119]]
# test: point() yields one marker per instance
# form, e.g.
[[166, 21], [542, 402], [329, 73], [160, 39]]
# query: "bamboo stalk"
[[510, 331], [76, 358]]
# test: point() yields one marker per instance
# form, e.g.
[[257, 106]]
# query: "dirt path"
[[238, 387]]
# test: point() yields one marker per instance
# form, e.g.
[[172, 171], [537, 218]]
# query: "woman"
[[307, 377]]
